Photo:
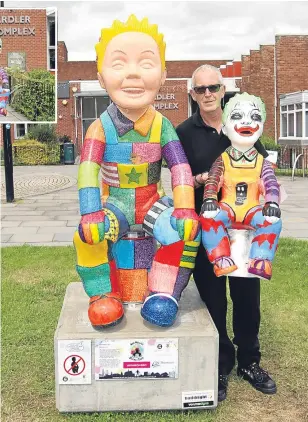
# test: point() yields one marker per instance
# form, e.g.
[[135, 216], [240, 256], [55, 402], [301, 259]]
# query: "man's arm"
[[181, 176], [184, 218], [199, 179]]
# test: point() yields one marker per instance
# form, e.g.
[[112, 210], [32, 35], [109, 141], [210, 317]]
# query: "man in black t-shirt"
[[203, 142]]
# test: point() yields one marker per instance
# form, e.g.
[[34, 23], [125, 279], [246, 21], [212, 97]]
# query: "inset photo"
[[28, 40]]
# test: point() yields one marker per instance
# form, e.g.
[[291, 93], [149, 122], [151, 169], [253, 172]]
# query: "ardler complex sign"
[[13, 30], [163, 104]]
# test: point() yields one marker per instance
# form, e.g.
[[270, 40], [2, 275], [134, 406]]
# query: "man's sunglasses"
[[201, 89]]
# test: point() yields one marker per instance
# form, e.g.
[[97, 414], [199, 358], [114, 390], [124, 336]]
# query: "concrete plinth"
[[197, 359]]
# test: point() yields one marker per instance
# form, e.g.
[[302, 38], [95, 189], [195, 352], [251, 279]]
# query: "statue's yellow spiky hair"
[[132, 25]]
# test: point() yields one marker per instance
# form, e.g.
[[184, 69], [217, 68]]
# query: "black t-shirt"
[[203, 145]]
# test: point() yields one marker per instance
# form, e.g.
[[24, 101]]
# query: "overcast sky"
[[193, 29]]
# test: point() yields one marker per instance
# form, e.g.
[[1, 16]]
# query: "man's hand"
[[271, 212], [92, 227], [186, 223], [200, 179], [210, 208]]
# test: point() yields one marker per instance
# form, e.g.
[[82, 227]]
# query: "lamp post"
[[8, 162]]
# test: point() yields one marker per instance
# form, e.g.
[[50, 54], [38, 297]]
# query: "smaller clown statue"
[[4, 93], [243, 175]]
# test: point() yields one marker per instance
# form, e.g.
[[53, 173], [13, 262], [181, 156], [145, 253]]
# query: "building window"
[[51, 44], [294, 116], [21, 129], [91, 109], [291, 121]]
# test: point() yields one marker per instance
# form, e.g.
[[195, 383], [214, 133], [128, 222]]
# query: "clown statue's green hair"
[[243, 97]]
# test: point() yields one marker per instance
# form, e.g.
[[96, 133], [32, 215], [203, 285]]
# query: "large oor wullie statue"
[[128, 143], [243, 176]]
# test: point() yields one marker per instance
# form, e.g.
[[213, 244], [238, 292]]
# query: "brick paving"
[[38, 184], [51, 218]]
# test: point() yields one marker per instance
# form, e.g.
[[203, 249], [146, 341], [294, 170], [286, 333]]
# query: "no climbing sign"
[[74, 365], [74, 361]]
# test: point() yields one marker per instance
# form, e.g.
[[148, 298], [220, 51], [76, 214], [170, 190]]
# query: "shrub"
[[31, 152], [269, 143], [42, 133]]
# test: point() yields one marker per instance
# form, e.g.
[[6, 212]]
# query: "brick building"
[[277, 73], [28, 38]]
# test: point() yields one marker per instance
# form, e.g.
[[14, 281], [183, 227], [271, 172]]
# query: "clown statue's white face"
[[243, 121]]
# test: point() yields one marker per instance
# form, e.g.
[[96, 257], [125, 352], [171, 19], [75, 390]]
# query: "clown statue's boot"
[[100, 282]]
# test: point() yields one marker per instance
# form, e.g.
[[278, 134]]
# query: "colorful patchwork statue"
[[243, 175], [117, 258], [4, 93]]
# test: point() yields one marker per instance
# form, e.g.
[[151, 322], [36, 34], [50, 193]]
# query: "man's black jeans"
[[245, 294]]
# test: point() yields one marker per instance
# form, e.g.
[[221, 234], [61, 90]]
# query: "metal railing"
[[293, 160]]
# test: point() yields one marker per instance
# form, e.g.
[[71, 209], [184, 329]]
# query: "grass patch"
[[34, 280]]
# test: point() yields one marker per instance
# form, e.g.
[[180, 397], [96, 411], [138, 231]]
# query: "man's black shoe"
[[222, 387], [258, 378]]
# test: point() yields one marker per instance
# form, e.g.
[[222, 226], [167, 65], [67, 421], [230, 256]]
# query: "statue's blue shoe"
[[160, 309]]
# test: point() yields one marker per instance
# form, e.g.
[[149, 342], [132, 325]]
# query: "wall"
[[291, 59], [35, 46]]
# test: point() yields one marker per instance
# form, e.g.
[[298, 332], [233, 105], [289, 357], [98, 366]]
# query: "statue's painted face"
[[132, 72], [244, 124]]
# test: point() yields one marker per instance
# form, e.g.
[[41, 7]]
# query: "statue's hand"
[[271, 212], [186, 223], [210, 208], [92, 227]]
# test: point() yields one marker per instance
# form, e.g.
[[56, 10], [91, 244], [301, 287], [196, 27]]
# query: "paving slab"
[[5, 238], [65, 217], [27, 217], [13, 116], [33, 238], [57, 230], [64, 237], [17, 211], [19, 230], [73, 223], [10, 223], [40, 223]]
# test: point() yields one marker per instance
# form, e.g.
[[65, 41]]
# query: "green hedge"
[[269, 143], [31, 153], [34, 94]]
